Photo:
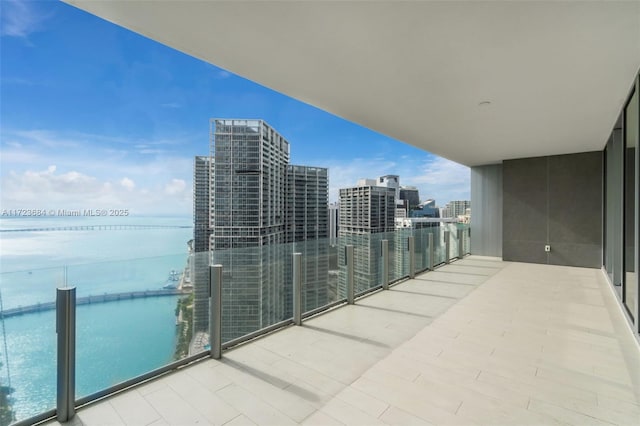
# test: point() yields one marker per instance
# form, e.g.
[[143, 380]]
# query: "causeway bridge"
[[95, 228], [88, 300]]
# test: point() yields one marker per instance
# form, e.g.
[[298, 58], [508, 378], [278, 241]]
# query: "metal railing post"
[[447, 245], [297, 288], [431, 252], [66, 331], [215, 311], [350, 275], [385, 264], [412, 256], [460, 244], [469, 239]]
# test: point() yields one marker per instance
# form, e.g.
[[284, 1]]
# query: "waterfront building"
[[258, 202], [199, 258], [202, 167]]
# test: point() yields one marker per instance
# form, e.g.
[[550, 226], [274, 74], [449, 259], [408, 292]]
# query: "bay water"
[[115, 340]]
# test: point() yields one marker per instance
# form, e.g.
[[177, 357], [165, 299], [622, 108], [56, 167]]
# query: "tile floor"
[[477, 342]]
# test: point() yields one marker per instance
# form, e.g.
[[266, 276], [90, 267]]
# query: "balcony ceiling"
[[555, 74]]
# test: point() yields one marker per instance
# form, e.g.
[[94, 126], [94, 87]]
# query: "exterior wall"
[[366, 212], [553, 200], [457, 208], [411, 195], [199, 261], [486, 216], [258, 203], [249, 184], [307, 198], [333, 223]]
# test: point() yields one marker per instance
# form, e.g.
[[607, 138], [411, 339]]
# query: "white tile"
[[348, 414], [512, 343], [134, 409], [97, 414], [362, 401], [396, 416], [564, 415], [253, 407], [320, 418], [204, 401], [173, 408], [240, 420]]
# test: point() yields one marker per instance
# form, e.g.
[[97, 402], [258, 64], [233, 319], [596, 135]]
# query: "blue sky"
[[95, 116]]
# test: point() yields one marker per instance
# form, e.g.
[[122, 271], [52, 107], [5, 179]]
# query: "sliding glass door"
[[631, 118], [614, 160], [621, 205]]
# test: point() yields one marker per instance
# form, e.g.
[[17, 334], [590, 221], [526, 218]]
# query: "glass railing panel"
[[128, 319], [394, 256], [401, 252], [192, 310], [373, 253], [257, 289], [466, 242], [453, 240], [367, 262], [28, 345], [319, 273], [438, 241], [421, 259]]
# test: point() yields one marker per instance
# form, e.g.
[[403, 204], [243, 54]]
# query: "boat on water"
[[173, 280]]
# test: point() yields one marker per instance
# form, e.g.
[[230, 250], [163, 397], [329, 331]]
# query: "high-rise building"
[[390, 181], [199, 259], [248, 195], [411, 195], [307, 225], [427, 208], [202, 166], [306, 203], [364, 212], [334, 208], [456, 208], [257, 203]]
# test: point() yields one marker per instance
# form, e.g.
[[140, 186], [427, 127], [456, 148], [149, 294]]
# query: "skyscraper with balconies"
[[365, 210], [202, 167], [199, 260], [259, 202], [307, 227]]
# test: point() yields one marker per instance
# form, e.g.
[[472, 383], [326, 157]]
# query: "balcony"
[[477, 341], [472, 340]]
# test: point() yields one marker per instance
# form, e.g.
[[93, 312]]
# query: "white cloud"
[[127, 183], [149, 151], [52, 189], [20, 18], [442, 180], [176, 186], [346, 174], [90, 173], [435, 177], [47, 139]]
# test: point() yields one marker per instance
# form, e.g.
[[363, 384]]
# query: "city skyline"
[[115, 121]]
